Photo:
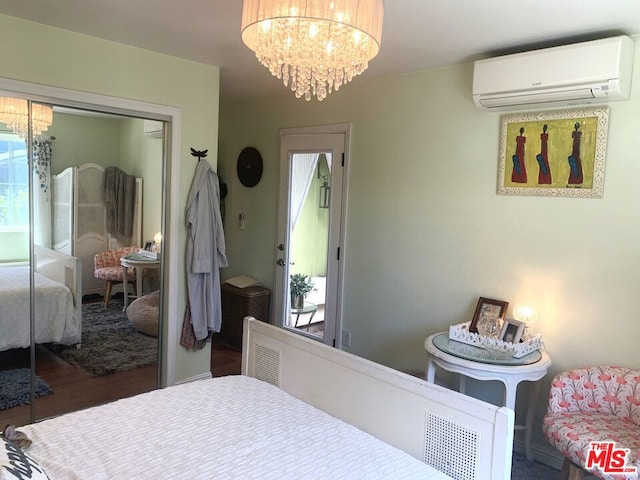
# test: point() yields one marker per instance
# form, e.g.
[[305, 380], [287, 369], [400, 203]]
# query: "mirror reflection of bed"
[[68, 220], [57, 298]]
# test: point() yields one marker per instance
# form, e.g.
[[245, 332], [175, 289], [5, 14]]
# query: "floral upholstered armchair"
[[594, 404], [106, 266]]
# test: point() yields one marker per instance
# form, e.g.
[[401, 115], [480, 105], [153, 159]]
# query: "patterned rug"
[[15, 385], [110, 343]]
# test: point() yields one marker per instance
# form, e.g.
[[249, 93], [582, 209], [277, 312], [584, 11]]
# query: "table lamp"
[[157, 240], [526, 314]]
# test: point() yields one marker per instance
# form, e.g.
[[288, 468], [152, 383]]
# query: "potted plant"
[[299, 286]]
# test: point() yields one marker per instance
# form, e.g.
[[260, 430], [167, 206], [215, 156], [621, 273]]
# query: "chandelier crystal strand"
[[313, 47], [14, 113], [41, 118]]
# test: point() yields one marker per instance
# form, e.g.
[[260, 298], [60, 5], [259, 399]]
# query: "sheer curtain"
[[42, 191], [302, 170]]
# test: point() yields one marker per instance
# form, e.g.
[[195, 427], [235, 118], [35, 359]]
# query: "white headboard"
[[463, 437]]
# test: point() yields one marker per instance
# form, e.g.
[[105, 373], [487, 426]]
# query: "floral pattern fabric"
[[595, 404], [107, 264]]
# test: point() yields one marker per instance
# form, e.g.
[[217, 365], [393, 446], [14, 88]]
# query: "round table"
[[139, 263], [476, 362], [308, 307]]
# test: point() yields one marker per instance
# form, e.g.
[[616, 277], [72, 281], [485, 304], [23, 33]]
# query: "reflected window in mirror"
[[14, 197]]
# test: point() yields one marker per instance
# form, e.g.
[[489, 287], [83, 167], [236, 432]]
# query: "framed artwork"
[[487, 308], [148, 245], [512, 330], [558, 154]]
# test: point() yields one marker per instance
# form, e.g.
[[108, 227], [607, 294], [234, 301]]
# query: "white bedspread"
[[224, 428], [55, 321]]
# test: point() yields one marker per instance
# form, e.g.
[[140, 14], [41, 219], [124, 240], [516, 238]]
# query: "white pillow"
[[16, 465]]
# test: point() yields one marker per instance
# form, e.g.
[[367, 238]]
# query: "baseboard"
[[547, 456], [202, 376], [542, 454]]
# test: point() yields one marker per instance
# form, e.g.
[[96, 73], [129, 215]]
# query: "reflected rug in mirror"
[[110, 343], [15, 385]]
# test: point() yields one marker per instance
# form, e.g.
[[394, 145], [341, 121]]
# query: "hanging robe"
[[205, 251]]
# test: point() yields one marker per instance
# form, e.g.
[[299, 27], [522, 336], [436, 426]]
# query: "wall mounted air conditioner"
[[590, 72], [153, 129]]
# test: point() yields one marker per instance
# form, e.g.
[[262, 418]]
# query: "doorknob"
[[280, 262]]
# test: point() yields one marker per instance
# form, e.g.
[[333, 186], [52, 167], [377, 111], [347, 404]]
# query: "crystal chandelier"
[[313, 46], [14, 113]]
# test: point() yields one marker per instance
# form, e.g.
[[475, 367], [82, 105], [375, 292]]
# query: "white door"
[[310, 231]]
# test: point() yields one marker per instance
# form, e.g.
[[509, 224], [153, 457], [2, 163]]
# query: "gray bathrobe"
[[205, 251]]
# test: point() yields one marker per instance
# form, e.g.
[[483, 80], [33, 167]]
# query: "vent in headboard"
[[452, 448], [266, 364]]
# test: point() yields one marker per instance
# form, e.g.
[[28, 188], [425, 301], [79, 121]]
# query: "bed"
[[300, 410], [58, 301]]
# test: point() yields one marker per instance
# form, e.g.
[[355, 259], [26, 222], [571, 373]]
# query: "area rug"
[[15, 385], [110, 343]]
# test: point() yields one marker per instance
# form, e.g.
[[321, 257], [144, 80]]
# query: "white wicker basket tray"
[[461, 333]]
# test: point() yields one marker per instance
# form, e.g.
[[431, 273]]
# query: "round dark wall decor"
[[249, 167]]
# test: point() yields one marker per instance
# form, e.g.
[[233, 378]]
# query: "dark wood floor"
[[74, 389], [225, 360]]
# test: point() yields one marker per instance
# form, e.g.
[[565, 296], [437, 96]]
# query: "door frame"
[[168, 338], [344, 129]]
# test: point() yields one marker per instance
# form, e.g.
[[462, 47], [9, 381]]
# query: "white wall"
[[427, 234]]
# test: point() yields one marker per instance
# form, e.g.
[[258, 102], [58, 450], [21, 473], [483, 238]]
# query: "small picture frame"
[[512, 331], [488, 307], [148, 245]]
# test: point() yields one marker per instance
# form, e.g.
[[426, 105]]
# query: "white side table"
[[139, 264], [450, 357]]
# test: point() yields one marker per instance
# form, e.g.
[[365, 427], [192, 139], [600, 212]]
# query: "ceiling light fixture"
[[14, 113], [316, 46]]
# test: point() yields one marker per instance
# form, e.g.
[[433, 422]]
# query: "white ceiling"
[[417, 34]]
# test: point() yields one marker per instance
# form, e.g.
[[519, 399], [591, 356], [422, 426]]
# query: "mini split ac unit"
[[590, 72], [153, 129]]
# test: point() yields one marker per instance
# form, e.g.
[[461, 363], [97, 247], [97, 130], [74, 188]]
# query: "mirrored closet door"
[[81, 196]]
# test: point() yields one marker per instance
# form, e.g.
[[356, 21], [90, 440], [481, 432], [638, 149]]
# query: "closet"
[[79, 219], [51, 206]]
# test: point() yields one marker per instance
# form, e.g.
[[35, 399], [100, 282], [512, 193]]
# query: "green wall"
[[81, 139], [427, 234], [310, 235], [55, 57], [142, 157]]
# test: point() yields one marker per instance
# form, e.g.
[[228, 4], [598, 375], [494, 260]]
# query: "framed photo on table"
[[512, 330], [488, 308]]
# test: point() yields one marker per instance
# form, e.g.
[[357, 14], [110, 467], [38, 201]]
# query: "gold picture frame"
[[556, 153]]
